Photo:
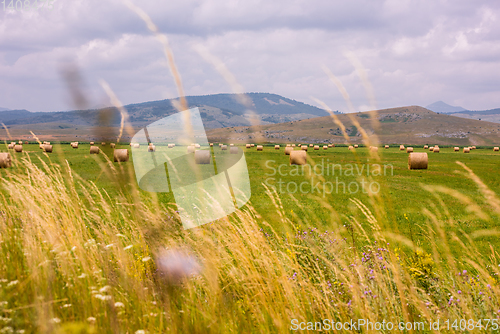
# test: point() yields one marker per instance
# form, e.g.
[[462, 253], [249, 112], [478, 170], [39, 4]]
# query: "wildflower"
[[459, 292], [464, 272], [489, 286], [128, 247], [142, 331], [146, 259], [12, 283], [176, 265], [66, 305], [91, 320], [105, 289], [55, 320], [119, 304], [82, 275]]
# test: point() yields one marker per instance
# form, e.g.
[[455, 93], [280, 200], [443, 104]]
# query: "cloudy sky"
[[415, 52]]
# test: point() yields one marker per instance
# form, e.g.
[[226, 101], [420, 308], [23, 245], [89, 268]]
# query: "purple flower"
[[459, 292]]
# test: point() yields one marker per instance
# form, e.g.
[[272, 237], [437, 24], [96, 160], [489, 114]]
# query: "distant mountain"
[[4, 109], [404, 125], [492, 115], [445, 108], [217, 111]]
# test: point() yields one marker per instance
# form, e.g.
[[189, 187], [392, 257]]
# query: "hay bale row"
[[5, 160], [120, 155], [418, 161], [298, 157]]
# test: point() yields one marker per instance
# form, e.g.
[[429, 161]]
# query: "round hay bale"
[[374, 149], [112, 145], [47, 148], [197, 146], [94, 150], [103, 144], [136, 145], [298, 157], [401, 147], [303, 148], [41, 146], [170, 146], [325, 147], [466, 150], [456, 149], [211, 144], [386, 146], [409, 149], [356, 146], [311, 145], [248, 146], [329, 145], [288, 145], [74, 145], [260, 148], [473, 147], [293, 145], [233, 150], [288, 150], [276, 147], [20, 142], [431, 149], [151, 148], [92, 143], [191, 149], [231, 145], [253, 145], [350, 148], [316, 147], [436, 150], [426, 147], [5, 160], [220, 144], [496, 149], [26, 142], [418, 161], [203, 157], [120, 155], [223, 147], [18, 148]]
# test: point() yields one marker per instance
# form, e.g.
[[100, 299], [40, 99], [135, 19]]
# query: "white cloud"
[[415, 52]]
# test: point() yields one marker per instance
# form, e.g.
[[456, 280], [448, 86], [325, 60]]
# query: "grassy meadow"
[[83, 250]]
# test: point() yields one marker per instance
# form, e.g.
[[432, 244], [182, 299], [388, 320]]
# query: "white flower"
[[109, 246], [119, 304], [12, 283], [128, 247], [56, 320], [146, 259], [105, 289], [82, 275], [66, 305], [140, 331], [91, 320]]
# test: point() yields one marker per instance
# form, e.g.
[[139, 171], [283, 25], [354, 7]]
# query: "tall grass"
[[75, 260]]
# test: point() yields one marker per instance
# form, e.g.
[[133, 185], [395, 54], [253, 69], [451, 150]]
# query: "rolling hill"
[[405, 125], [220, 110]]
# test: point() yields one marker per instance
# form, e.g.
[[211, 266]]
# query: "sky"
[[412, 52]]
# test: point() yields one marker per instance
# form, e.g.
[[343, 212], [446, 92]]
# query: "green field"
[[67, 245], [400, 190]]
